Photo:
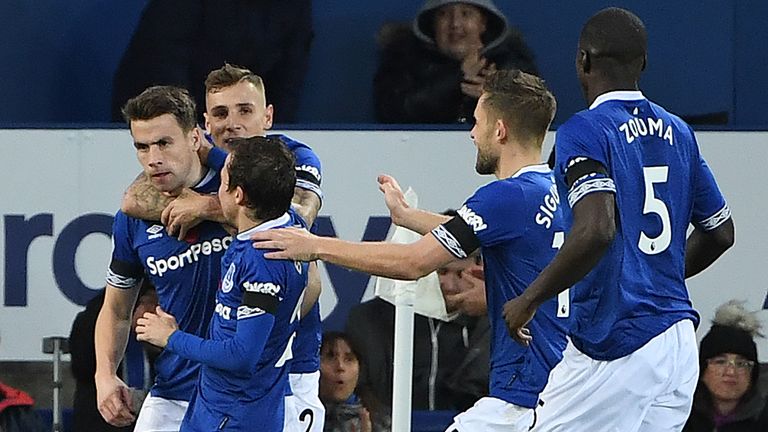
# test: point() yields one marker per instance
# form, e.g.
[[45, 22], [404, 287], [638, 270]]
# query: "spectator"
[[728, 397], [348, 405], [135, 370], [17, 411], [179, 41], [450, 359], [433, 73]]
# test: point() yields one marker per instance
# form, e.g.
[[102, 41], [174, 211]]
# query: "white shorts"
[[303, 410], [493, 415], [648, 390], [160, 415]]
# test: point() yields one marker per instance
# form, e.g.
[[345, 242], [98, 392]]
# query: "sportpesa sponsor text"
[[159, 266]]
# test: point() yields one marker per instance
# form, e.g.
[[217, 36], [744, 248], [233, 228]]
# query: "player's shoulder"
[[493, 198], [291, 143], [582, 123]]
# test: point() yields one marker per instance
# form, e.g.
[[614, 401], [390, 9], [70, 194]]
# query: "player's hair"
[[617, 35], [229, 75], [522, 100], [266, 171], [159, 100]]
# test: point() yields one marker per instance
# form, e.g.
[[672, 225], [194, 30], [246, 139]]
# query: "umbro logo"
[[154, 232]]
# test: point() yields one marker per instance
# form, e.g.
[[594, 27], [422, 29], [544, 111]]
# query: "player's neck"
[[598, 88], [513, 161], [245, 221]]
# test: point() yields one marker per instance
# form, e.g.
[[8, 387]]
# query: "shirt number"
[[655, 245], [564, 298]]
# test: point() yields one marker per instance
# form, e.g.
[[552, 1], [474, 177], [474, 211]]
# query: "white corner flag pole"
[[403, 359]]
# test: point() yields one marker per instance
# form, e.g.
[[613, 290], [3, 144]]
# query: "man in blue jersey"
[[184, 272], [634, 181], [515, 221], [244, 375], [236, 107]]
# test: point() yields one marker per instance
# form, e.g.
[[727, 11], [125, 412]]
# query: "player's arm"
[[592, 199], [713, 232], [110, 338], [593, 231], [704, 247], [313, 290], [450, 241], [143, 201], [306, 203], [402, 214], [255, 319]]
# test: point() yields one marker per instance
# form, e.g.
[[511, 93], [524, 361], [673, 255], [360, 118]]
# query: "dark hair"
[[229, 75], [616, 35], [522, 100], [367, 397], [159, 100], [266, 171]]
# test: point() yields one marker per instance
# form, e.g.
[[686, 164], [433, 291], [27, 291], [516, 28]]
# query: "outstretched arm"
[[593, 230], [402, 214], [397, 261]]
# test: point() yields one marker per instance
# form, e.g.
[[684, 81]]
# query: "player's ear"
[[501, 130], [585, 61], [269, 114], [239, 196], [645, 62], [196, 137], [207, 122]]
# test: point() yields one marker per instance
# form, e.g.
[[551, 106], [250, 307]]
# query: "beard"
[[486, 164]]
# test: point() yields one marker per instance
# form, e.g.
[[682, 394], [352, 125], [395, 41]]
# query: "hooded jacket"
[[750, 416], [416, 83]]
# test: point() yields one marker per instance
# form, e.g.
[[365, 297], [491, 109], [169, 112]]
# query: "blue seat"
[[66, 418], [431, 421]]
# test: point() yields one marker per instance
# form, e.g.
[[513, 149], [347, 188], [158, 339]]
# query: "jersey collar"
[[206, 179], [282, 220], [542, 168], [621, 95]]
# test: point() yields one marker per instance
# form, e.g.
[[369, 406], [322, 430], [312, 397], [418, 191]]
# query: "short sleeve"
[[709, 207], [125, 268], [582, 147], [492, 215]]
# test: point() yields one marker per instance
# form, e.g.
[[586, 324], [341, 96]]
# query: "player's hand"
[[517, 313], [469, 296], [205, 147], [156, 328], [114, 401], [393, 197], [185, 212], [288, 243]]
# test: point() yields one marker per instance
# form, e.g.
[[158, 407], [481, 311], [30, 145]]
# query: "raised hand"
[[393, 198]]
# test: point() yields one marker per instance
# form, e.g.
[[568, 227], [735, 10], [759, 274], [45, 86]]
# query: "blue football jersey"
[[308, 176], [651, 163], [518, 224], [244, 375], [185, 274]]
